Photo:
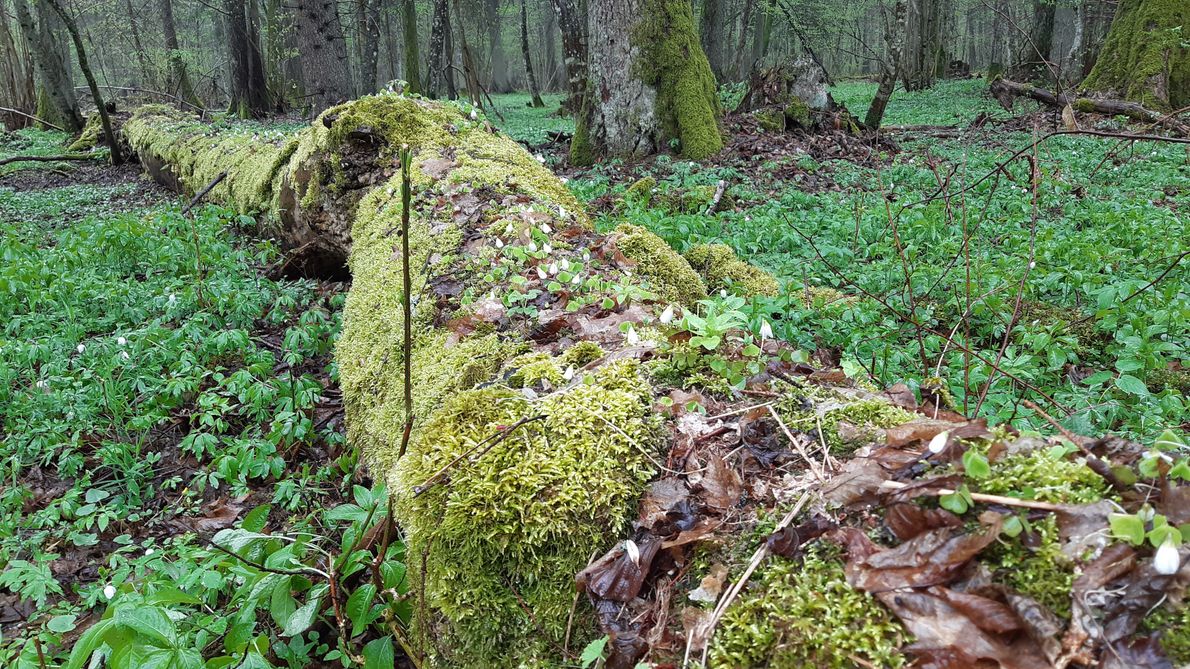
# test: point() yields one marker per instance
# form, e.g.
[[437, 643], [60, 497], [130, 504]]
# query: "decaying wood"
[[1006, 92], [46, 159]]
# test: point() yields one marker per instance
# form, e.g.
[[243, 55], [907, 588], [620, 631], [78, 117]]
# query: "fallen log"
[[1006, 92], [46, 159]]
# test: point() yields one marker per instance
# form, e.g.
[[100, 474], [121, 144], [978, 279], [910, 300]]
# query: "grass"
[[530, 125], [1098, 228]]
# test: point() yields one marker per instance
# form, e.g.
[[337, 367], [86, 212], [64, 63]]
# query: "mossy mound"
[[510, 526], [845, 419], [669, 274], [802, 613], [91, 134], [721, 269]]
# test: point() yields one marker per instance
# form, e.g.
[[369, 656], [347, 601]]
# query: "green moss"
[[641, 190], [532, 369], [800, 408], [1177, 380], [673, 62], [1174, 625], [770, 119], [517, 523], [1145, 57], [582, 153], [1043, 572], [719, 267], [1038, 475], [797, 112], [669, 275], [581, 354], [803, 614], [90, 135]]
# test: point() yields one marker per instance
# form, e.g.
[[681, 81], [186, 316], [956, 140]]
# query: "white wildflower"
[[766, 330], [541, 273], [42, 385], [633, 551], [564, 264], [632, 337], [173, 299], [120, 341], [474, 115], [723, 292], [540, 158], [577, 279], [565, 180], [1167, 561], [938, 443], [569, 373], [547, 248], [553, 268], [109, 591], [667, 316], [562, 211], [124, 355], [80, 348], [532, 247], [545, 227], [499, 243]]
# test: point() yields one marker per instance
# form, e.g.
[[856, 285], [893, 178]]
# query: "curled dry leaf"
[[616, 576], [788, 541], [907, 520]]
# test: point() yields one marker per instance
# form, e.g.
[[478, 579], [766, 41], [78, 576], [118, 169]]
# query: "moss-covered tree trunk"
[[1145, 57], [650, 84]]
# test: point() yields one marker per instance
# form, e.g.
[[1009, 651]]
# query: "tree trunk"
[[498, 79], [1032, 61], [1145, 57], [412, 57], [367, 18], [179, 78], [56, 99], [574, 52], [529, 76], [922, 43], [1006, 92], [1096, 17], [894, 38], [324, 54], [650, 84], [117, 156], [249, 88], [741, 46], [710, 33], [551, 71], [17, 90], [146, 72], [470, 68], [440, 79], [762, 30]]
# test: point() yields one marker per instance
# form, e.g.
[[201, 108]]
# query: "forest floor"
[[159, 381]]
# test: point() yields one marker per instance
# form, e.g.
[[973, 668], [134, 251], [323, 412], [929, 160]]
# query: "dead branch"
[[1006, 92], [42, 121], [46, 159]]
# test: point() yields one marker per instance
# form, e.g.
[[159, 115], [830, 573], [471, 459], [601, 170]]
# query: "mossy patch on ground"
[[669, 275], [719, 266]]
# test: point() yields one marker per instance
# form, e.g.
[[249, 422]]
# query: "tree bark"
[[922, 43], [710, 33], [470, 68], [324, 54], [117, 156], [530, 77], [1145, 57], [574, 52], [249, 88], [179, 78], [650, 83], [550, 69], [441, 79], [56, 99], [1032, 61], [1006, 92], [146, 72], [894, 39], [18, 91], [367, 17], [412, 57], [498, 79]]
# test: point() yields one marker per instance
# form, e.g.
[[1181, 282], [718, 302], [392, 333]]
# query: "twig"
[[194, 232], [134, 89], [490, 441], [793, 441], [406, 298], [203, 193], [46, 159], [1140, 290], [719, 190], [258, 565], [757, 558], [32, 117], [986, 499]]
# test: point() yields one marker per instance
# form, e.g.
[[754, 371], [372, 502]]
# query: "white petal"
[[545, 227], [109, 591], [667, 316], [547, 248], [577, 279], [633, 551], [81, 348], [499, 243], [533, 247], [632, 338], [568, 374], [766, 330], [541, 274], [553, 268], [121, 341], [1166, 561], [938, 443]]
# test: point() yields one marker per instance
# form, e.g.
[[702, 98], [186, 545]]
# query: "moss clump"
[[1144, 57], [673, 62], [1174, 625], [641, 190], [1038, 475], [534, 369], [772, 120], [720, 268], [581, 354], [803, 614], [1177, 380], [808, 407], [507, 532], [669, 275], [1043, 573], [89, 137], [797, 112]]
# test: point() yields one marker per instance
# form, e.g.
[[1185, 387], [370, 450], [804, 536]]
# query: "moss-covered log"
[[520, 309], [1006, 92]]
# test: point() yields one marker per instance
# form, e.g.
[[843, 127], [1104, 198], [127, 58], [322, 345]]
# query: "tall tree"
[[1032, 60], [890, 68], [179, 78], [117, 156], [56, 101], [17, 90], [249, 88], [367, 44], [574, 51], [146, 72], [711, 34], [324, 54], [923, 43], [530, 77], [498, 79], [1145, 57], [441, 79], [412, 57], [650, 83]]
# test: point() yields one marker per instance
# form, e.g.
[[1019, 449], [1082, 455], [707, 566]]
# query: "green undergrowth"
[[1090, 333], [33, 142]]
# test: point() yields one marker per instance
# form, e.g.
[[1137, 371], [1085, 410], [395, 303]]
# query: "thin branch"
[[42, 121]]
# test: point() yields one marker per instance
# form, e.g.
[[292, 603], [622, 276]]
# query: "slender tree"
[[179, 78], [56, 101], [412, 57], [498, 79], [529, 76], [440, 78], [890, 68], [711, 33], [117, 156], [574, 51], [650, 83], [923, 37], [249, 88], [367, 42], [17, 90], [1032, 60]]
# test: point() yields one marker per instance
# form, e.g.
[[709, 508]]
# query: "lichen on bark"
[[1145, 57]]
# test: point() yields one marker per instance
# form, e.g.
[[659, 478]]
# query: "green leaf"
[[1158, 535], [1012, 526], [1097, 378], [593, 652], [954, 503], [302, 618], [1131, 385], [1168, 441], [149, 622], [976, 465], [256, 518], [1127, 527], [1180, 470], [359, 608], [61, 624], [378, 654]]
